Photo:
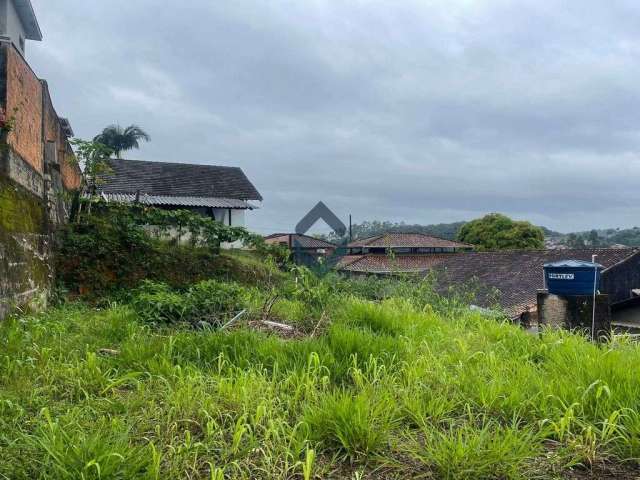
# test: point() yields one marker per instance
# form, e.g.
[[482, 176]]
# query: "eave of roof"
[[66, 126], [165, 200], [28, 18]]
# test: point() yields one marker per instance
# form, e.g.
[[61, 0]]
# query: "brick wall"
[[35, 168], [575, 313], [24, 101], [69, 170]]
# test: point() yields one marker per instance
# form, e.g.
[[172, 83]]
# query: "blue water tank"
[[572, 277]]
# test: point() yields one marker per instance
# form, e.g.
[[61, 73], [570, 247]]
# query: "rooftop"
[[177, 180], [305, 241], [385, 264], [516, 275], [412, 240]]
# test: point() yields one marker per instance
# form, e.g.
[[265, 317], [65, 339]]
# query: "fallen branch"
[[279, 326], [108, 352], [233, 320]]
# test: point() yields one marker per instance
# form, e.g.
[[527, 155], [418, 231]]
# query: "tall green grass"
[[389, 389]]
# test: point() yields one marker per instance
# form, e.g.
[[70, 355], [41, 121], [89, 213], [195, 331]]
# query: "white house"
[[222, 193], [18, 23]]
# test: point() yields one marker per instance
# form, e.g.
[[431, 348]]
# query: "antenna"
[[595, 278]]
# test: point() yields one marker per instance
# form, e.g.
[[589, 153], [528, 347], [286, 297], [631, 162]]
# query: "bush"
[[114, 248], [208, 301], [158, 303], [212, 297]]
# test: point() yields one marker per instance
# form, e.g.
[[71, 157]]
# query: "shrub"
[[210, 298], [206, 301], [113, 248], [158, 303]]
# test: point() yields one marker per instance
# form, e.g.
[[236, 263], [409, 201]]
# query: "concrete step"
[[626, 327]]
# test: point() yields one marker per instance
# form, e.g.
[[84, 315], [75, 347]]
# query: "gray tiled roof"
[[177, 180], [516, 275], [178, 201]]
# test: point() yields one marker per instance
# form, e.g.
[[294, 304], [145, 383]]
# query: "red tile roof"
[[414, 240], [386, 264]]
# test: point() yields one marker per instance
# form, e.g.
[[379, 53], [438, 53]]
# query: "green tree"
[[594, 238], [498, 232], [121, 139], [93, 160], [575, 241], [92, 157]]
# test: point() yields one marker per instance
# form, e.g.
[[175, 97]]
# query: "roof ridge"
[[543, 250], [182, 164]]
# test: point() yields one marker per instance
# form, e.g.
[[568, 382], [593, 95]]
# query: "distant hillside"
[[599, 238], [629, 237]]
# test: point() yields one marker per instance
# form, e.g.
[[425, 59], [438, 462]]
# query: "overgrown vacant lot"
[[382, 390]]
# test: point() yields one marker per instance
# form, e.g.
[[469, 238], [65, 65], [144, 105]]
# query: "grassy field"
[[388, 389]]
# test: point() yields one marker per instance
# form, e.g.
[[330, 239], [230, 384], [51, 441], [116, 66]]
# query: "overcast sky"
[[418, 111]]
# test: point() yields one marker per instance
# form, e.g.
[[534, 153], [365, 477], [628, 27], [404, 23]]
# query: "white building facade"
[[18, 23]]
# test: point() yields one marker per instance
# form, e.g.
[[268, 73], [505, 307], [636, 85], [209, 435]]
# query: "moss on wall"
[[20, 212], [25, 270]]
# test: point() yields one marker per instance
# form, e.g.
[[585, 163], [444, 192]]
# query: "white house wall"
[[237, 216], [10, 24], [237, 220]]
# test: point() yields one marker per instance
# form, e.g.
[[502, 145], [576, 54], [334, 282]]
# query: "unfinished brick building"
[[36, 168]]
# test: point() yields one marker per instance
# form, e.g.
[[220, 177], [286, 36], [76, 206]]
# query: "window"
[[21, 43]]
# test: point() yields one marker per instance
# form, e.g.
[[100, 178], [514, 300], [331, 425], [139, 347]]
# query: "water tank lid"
[[572, 264]]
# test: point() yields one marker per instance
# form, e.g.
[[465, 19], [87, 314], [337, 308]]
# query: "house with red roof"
[[391, 253]]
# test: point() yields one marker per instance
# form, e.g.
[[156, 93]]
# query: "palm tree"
[[120, 140]]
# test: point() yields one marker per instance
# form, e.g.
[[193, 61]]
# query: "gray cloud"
[[416, 111]]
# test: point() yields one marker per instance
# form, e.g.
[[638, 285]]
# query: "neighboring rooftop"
[[406, 240], [386, 264], [177, 180], [305, 241], [517, 275]]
